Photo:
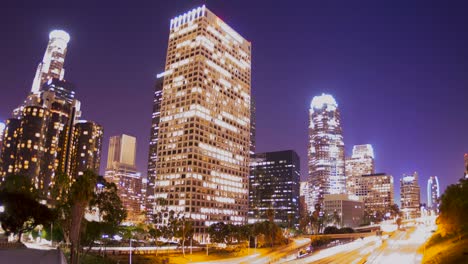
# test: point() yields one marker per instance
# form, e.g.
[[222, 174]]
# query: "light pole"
[[131, 236]]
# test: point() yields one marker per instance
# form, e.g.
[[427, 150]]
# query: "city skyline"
[[387, 155]]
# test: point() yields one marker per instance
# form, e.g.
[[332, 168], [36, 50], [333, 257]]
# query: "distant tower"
[[54, 58], [360, 163], [326, 149], [433, 193], [410, 195], [121, 170], [2, 129], [466, 165]]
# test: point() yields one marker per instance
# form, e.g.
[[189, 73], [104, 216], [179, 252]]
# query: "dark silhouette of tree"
[[454, 209], [22, 211]]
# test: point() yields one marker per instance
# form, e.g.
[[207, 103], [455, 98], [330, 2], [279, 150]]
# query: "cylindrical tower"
[[54, 58]]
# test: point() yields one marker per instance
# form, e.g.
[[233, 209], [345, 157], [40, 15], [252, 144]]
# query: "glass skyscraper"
[[325, 150], [274, 184], [433, 193]]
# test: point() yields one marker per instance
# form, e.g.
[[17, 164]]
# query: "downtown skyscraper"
[[433, 193], [121, 170], [204, 136], [360, 163], [325, 150], [53, 61], [410, 196], [45, 136]]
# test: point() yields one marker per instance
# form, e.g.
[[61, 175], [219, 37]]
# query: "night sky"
[[398, 70]]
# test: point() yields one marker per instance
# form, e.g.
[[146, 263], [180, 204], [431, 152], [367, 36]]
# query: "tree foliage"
[[454, 209], [22, 212]]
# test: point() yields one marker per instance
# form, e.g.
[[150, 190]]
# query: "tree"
[[394, 210], [218, 232], [454, 209], [111, 211], [81, 193], [22, 212]]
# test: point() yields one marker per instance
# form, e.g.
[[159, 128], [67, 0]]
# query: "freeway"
[[276, 256], [352, 252], [403, 247]]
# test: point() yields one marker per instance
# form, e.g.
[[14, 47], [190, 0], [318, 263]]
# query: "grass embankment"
[[172, 258], [449, 249]]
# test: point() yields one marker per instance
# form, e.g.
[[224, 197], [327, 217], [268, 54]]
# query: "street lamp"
[[2, 209]]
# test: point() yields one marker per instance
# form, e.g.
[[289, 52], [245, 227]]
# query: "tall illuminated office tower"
[[360, 163], [326, 149], [433, 193], [204, 131], [54, 58]]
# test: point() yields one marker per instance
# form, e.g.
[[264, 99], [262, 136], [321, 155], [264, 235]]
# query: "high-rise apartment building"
[[86, 148], [204, 130], [121, 170], [326, 149], [274, 185], [53, 61], [410, 195], [433, 193], [360, 163], [377, 192], [153, 147]]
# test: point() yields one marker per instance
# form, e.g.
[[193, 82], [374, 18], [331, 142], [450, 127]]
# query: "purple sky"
[[398, 70]]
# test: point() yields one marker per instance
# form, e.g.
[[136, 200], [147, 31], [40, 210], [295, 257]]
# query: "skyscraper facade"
[[153, 147], [44, 138], [360, 163], [121, 170], [86, 148], [466, 165], [326, 149], [433, 193], [253, 128], [2, 129], [9, 147], [378, 193], [204, 131], [274, 185], [410, 195], [53, 61], [304, 198]]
